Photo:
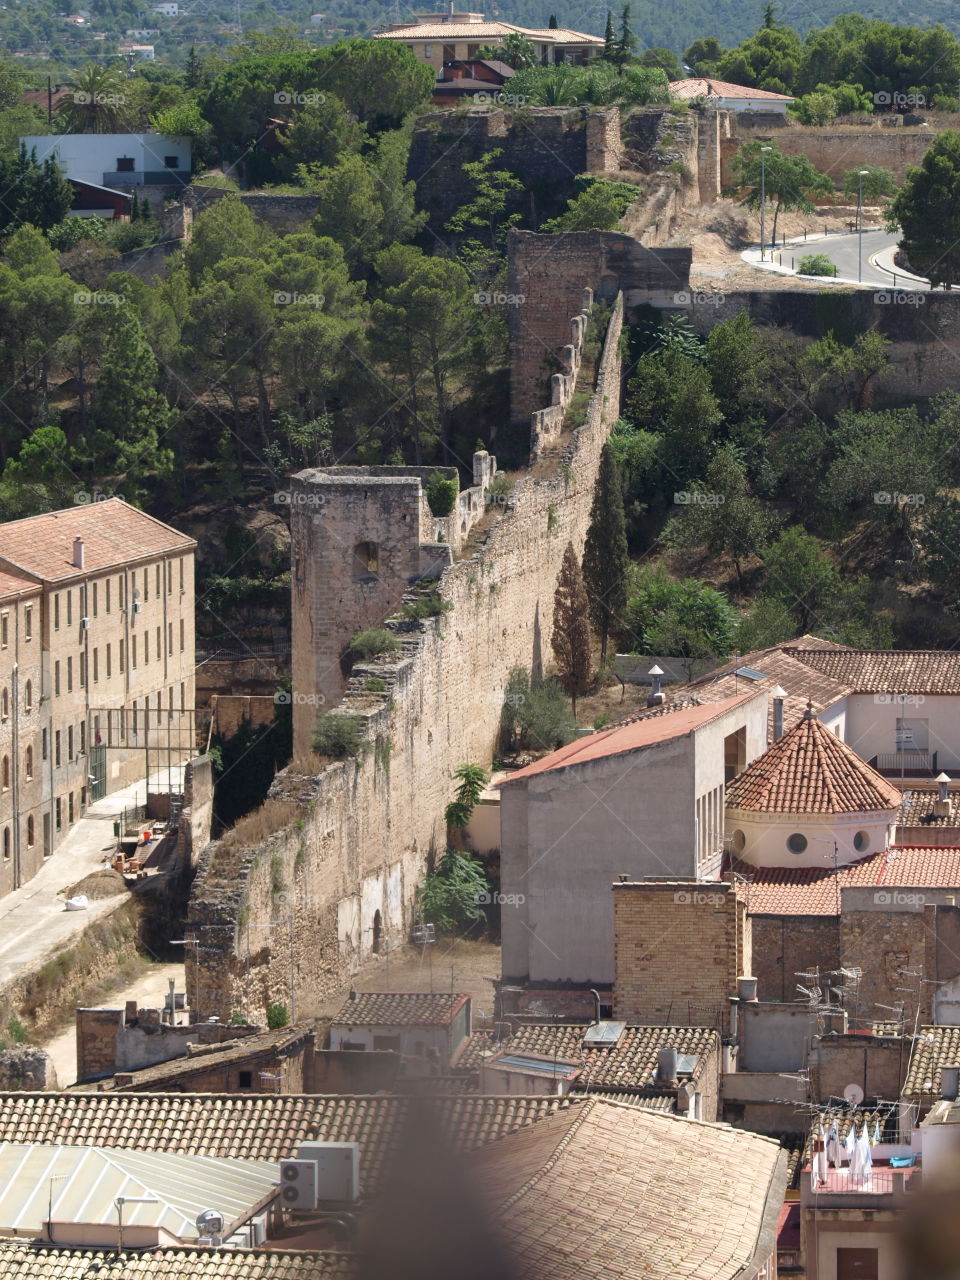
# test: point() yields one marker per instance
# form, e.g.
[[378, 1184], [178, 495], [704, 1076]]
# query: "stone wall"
[[837, 149], [678, 950], [26, 1069], [196, 816], [878, 1064], [784, 946], [284, 213], [286, 917]]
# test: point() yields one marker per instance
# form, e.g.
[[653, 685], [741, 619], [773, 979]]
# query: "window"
[[94, 599], [182, 703], [106, 595], [56, 678], [56, 751], [169, 567], [796, 843], [83, 738], [70, 808], [387, 1043], [69, 608], [5, 772], [69, 675], [366, 559], [6, 844], [159, 645], [181, 573], [158, 581], [4, 630], [83, 798], [31, 837], [122, 654], [170, 162], [28, 624], [861, 841], [82, 666], [134, 717], [146, 647], [28, 762], [183, 644], [70, 745], [58, 812], [56, 613], [44, 744], [28, 696], [428, 50], [133, 652], [124, 164], [96, 667], [146, 584], [5, 705], [109, 672], [244, 1079]]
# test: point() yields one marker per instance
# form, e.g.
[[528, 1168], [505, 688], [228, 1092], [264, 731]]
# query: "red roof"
[[633, 736], [703, 87], [812, 891], [810, 770], [10, 585]]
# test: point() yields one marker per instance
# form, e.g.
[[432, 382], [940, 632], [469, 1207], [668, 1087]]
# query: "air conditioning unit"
[[338, 1170], [258, 1230], [298, 1184], [137, 606]]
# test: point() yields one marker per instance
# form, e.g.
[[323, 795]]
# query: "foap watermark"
[[500, 99], [84, 99], [894, 898], [697, 899], [283, 299], [99, 298], [84, 497], [284, 99], [482, 299], [888, 98], [699, 299], [497, 899], [290, 698], [899, 298], [493, 698], [298, 498], [899, 699], [883, 498], [698, 498]]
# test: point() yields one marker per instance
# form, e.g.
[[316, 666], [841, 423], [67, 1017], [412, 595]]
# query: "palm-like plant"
[[97, 102]]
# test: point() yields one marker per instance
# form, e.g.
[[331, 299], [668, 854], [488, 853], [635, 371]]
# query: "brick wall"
[[678, 949], [288, 919], [97, 1041], [784, 946]]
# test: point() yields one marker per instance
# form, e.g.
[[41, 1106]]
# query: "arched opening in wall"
[[377, 933], [366, 560]]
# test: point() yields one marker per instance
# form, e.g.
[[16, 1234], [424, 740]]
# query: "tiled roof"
[[630, 1064], [399, 1009], [916, 809], [214, 1056], [810, 891], [471, 1051], [703, 87], [258, 1126], [26, 1263], [672, 702], [646, 731], [441, 31], [10, 585], [610, 1191], [933, 1048], [888, 671], [810, 770], [113, 533]]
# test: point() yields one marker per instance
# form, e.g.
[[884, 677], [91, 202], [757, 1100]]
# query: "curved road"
[[842, 251]]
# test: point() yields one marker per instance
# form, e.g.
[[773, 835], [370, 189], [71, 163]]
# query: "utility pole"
[[862, 174], [763, 199]]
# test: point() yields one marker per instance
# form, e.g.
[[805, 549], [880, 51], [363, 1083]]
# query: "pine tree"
[[552, 25], [609, 41], [571, 628], [626, 42], [605, 558]]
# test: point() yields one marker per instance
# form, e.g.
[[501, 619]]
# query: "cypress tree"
[[571, 628], [552, 24], [609, 40], [627, 42], [605, 558]]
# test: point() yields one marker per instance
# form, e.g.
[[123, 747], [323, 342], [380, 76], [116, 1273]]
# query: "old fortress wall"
[[286, 917]]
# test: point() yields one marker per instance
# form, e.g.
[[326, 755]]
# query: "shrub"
[[374, 685], [452, 897], [338, 737], [535, 717], [277, 1016], [473, 778], [816, 264], [442, 493], [428, 606], [372, 643]]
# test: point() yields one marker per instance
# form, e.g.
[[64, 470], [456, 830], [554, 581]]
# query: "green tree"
[[486, 211], [770, 60], [184, 120], [789, 181], [605, 556], [98, 101], [452, 897], [473, 780], [738, 366], [379, 81], [319, 134], [665, 59], [42, 477], [703, 56], [598, 207], [671, 393], [769, 622], [927, 210], [516, 51], [685, 619], [817, 108], [226, 230], [609, 41], [33, 192], [878, 183], [938, 539], [802, 576], [570, 638], [626, 45]]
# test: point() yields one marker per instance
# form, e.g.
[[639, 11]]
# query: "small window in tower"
[[366, 560], [797, 843]]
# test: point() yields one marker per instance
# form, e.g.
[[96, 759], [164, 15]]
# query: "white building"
[[145, 52], [168, 10], [730, 97], [117, 159]]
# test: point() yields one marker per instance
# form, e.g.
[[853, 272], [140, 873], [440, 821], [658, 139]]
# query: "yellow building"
[[439, 38]]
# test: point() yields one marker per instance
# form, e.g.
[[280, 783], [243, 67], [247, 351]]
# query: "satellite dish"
[[209, 1223], [853, 1094]]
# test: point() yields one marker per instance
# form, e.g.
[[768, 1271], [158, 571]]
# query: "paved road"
[[842, 250]]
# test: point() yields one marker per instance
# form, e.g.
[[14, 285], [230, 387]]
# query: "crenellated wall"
[[286, 917]]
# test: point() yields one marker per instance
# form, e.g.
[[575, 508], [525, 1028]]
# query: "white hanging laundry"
[[834, 1148]]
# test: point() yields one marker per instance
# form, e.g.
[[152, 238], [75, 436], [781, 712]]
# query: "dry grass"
[[271, 817]]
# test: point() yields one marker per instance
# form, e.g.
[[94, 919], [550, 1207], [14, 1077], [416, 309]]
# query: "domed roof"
[[810, 770]]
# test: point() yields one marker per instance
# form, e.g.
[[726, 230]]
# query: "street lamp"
[[120, 1202], [862, 174], [763, 198]]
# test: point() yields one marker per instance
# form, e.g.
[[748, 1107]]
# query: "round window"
[[796, 843], [738, 841], [861, 841]]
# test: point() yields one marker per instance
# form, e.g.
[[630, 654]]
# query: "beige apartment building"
[[96, 667], [438, 38]]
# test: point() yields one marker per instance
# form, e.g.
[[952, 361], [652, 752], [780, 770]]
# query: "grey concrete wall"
[[774, 1037]]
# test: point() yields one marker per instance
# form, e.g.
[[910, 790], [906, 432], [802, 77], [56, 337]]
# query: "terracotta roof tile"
[[933, 1048], [633, 735], [916, 810], [810, 891], [399, 1009], [11, 585], [21, 1260], [689, 1200], [256, 1126], [704, 87], [810, 770], [630, 1064], [888, 671], [113, 533]]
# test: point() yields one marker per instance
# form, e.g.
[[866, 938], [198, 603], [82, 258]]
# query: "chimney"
[[78, 553], [655, 696], [777, 693], [747, 989], [949, 1083], [596, 1005], [667, 1065], [941, 806]]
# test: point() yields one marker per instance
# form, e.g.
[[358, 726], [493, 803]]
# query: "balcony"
[[907, 763], [147, 178], [842, 1189]]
